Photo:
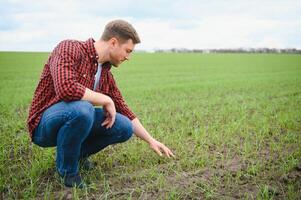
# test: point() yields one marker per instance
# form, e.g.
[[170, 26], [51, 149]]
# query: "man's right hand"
[[98, 99], [110, 113]]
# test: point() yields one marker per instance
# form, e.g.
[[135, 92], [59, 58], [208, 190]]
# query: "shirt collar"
[[93, 54], [91, 49]]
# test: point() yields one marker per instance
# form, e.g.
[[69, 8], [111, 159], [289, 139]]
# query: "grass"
[[233, 120]]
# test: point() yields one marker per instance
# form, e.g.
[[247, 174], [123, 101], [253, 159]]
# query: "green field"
[[233, 121]]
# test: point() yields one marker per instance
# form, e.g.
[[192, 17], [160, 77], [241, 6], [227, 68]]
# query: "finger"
[[172, 154], [169, 152], [109, 123], [158, 151], [166, 151], [105, 122], [112, 122]]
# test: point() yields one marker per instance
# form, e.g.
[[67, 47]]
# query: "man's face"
[[120, 52]]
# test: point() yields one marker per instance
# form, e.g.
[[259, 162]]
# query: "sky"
[[38, 25]]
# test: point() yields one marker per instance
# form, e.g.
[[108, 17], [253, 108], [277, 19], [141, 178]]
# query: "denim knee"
[[84, 110], [126, 129]]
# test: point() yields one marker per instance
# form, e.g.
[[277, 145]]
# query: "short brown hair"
[[120, 29]]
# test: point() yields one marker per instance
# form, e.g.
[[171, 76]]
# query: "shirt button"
[[95, 64], [91, 56]]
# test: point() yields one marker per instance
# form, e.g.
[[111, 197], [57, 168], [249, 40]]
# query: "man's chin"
[[116, 64]]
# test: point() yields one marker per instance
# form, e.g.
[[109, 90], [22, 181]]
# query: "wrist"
[[151, 140], [107, 100]]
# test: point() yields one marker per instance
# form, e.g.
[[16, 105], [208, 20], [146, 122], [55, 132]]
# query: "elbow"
[[64, 94], [70, 93]]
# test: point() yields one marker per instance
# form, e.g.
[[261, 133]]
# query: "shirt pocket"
[[86, 79], [85, 74]]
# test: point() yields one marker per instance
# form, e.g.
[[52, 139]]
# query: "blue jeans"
[[75, 128]]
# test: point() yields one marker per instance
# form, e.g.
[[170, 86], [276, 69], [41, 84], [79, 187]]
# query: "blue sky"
[[35, 25]]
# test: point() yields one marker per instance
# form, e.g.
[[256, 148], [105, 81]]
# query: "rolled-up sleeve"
[[62, 69]]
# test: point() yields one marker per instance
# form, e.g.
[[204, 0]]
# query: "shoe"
[[74, 181], [86, 164]]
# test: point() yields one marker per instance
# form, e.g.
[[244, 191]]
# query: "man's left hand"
[[160, 148]]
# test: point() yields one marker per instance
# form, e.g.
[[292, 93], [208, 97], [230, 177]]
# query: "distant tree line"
[[237, 50]]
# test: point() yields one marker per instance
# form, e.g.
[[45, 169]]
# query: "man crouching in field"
[[76, 78]]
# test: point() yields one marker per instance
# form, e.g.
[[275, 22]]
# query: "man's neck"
[[101, 50]]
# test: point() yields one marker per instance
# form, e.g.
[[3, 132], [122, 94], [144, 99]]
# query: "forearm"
[[141, 132], [97, 99], [157, 146]]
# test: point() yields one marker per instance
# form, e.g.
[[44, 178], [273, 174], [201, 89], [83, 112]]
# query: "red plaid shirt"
[[70, 69]]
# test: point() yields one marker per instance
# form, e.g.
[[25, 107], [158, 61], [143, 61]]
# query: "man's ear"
[[113, 42]]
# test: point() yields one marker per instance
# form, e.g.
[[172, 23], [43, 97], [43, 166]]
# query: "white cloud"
[[217, 32], [39, 25]]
